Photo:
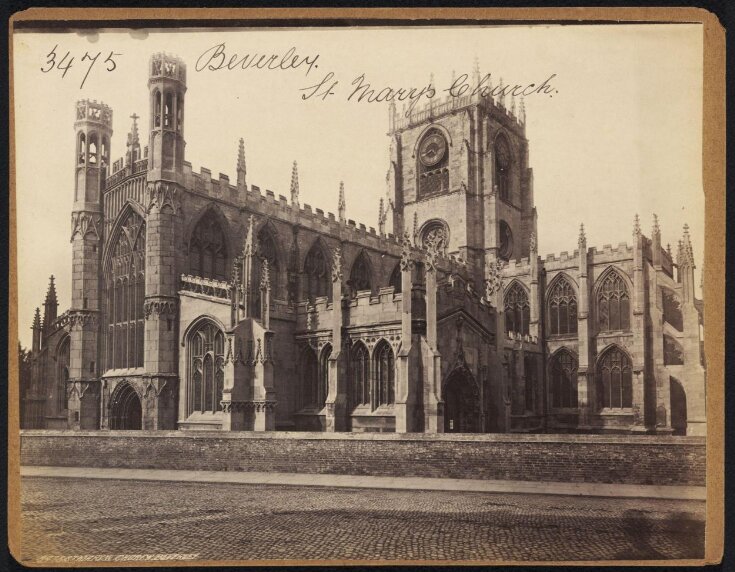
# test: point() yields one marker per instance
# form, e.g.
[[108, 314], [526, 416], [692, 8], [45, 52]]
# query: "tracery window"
[[562, 308], [360, 275], [564, 380], [125, 296], [615, 380], [310, 376], [324, 376], [435, 236], [317, 272], [208, 249], [505, 246], [517, 310], [530, 387], [433, 164], [396, 280], [502, 167], [62, 375], [206, 368], [360, 375], [266, 251], [613, 304], [385, 372]]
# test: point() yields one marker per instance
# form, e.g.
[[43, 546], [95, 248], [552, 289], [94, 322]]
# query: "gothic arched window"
[[562, 308], [502, 167], [613, 304], [62, 374], [360, 375], [517, 310], [206, 368], [157, 100], [435, 235], [310, 376], [385, 374], [563, 380], [360, 274], [168, 109], [433, 164], [396, 280], [208, 249], [267, 251], [615, 380], [316, 268], [125, 285], [505, 244]]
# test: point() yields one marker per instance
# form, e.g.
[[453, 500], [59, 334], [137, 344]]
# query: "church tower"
[[165, 184], [459, 170], [93, 130]]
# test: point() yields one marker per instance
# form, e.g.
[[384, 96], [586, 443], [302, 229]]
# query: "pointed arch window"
[[310, 376], [206, 368], [502, 167], [613, 304], [517, 310], [360, 375], [323, 389], [564, 380], [267, 251], [562, 308], [360, 276], [396, 280], [317, 270], [62, 375], [125, 296], [615, 380], [385, 371], [208, 249]]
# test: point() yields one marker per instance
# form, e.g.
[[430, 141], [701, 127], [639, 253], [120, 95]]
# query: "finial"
[[406, 262], [582, 235], [133, 139], [249, 248], [501, 96], [265, 276], [295, 184], [636, 226], [513, 104], [241, 167], [341, 205], [51, 293], [522, 112], [37, 320], [668, 249], [381, 217], [337, 265], [415, 226], [656, 228], [532, 241]]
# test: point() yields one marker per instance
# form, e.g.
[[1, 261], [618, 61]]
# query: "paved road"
[[90, 519]]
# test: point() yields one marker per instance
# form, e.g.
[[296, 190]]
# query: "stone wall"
[[641, 460]]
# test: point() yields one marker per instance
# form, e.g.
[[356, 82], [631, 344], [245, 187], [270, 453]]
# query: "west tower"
[[93, 131]]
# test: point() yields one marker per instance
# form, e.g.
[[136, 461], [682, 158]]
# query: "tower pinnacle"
[[295, 185], [241, 167], [341, 205]]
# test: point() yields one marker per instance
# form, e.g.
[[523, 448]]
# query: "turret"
[[166, 86], [93, 127]]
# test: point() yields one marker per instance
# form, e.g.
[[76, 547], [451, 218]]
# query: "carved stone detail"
[[84, 223], [160, 307], [78, 319], [161, 195]]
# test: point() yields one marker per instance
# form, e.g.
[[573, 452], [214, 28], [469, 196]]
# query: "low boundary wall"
[[634, 459]]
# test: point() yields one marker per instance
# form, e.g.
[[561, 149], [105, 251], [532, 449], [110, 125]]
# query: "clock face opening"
[[432, 150]]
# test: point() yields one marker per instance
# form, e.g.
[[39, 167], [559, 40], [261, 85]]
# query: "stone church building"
[[206, 303]]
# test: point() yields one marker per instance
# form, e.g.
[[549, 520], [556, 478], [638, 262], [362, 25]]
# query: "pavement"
[[372, 482]]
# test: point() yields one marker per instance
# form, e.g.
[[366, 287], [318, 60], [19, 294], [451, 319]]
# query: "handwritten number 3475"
[[65, 63]]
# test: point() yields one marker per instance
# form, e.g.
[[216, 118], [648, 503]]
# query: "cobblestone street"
[[91, 519]]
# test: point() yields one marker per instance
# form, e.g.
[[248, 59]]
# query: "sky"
[[620, 134]]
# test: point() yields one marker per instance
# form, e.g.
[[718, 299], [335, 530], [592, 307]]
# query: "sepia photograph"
[[372, 293]]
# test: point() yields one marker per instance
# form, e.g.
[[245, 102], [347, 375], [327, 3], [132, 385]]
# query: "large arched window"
[[615, 380], [360, 363], [206, 367], [433, 164], [208, 249], [317, 270], [502, 167], [310, 376], [396, 280], [385, 374], [62, 374], [324, 376], [125, 285], [613, 304], [360, 278], [562, 302], [517, 310], [563, 372]]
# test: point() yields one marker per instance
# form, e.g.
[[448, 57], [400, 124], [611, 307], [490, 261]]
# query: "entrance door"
[[461, 404], [125, 409], [678, 407]]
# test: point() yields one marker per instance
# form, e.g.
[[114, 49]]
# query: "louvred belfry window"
[[613, 304], [562, 308], [125, 284], [502, 167], [208, 249], [517, 310], [206, 368]]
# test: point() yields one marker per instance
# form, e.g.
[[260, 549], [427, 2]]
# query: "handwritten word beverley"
[[64, 64], [217, 58]]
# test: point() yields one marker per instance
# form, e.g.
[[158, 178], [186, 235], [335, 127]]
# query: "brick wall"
[[567, 458]]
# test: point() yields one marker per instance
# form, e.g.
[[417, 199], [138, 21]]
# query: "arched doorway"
[[678, 407], [125, 409], [461, 403]]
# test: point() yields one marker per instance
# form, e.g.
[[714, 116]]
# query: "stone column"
[[433, 404], [638, 328], [585, 380], [336, 405], [405, 392]]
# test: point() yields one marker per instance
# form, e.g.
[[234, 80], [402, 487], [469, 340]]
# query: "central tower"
[[459, 173]]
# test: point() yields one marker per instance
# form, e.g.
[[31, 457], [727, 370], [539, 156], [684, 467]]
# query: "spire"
[[656, 228], [522, 111], [36, 331], [686, 248], [36, 320], [295, 185], [51, 293], [133, 144], [241, 168], [476, 77], [582, 237], [341, 204], [51, 304], [501, 96], [381, 217]]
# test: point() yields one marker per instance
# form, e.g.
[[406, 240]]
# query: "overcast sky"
[[620, 135]]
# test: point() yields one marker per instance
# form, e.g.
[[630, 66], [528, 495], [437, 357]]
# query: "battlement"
[[205, 286], [167, 65], [92, 111]]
